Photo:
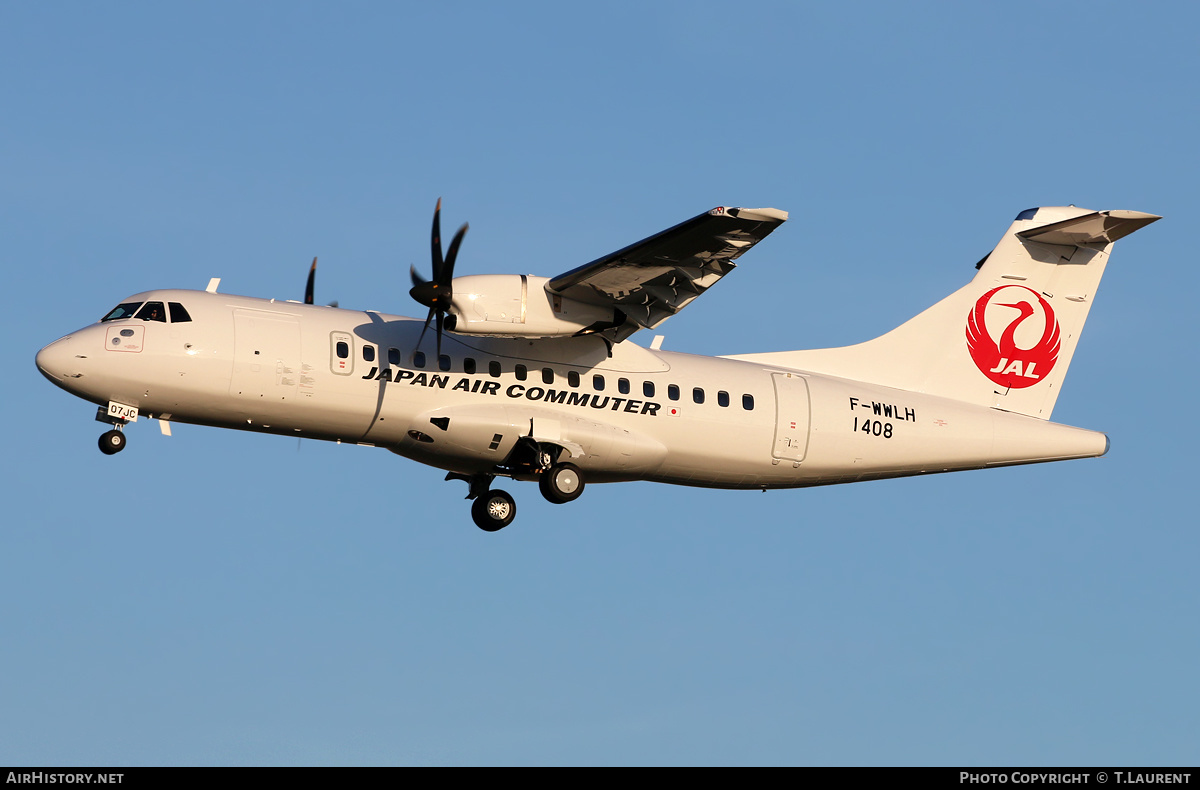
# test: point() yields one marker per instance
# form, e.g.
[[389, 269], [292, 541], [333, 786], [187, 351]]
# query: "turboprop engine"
[[512, 305], [519, 305]]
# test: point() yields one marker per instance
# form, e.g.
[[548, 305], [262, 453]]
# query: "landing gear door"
[[791, 417]]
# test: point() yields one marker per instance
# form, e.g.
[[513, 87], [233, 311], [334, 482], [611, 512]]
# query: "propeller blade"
[[441, 317], [448, 268], [437, 294], [436, 242], [429, 318], [417, 279], [312, 276]]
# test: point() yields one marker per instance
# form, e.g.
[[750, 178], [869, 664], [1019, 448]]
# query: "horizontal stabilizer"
[[1099, 227], [1006, 338]]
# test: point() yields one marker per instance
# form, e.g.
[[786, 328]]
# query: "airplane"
[[536, 378]]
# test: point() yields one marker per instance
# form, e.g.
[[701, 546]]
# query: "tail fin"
[[1004, 340]]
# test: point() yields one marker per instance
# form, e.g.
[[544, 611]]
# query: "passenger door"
[[266, 356], [791, 417]]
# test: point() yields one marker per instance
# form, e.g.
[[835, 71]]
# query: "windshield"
[[125, 310], [153, 311]]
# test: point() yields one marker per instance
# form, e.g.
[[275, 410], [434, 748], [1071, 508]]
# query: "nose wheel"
[[112, 442]]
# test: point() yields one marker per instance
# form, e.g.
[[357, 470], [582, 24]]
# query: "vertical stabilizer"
[[1005, 339]]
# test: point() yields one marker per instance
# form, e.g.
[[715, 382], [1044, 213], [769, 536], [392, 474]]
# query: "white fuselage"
[[353, 376]]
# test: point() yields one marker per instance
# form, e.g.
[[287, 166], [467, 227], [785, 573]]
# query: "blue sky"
[[215, 598]]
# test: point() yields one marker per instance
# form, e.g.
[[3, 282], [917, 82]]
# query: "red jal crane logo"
[[1005, 362]]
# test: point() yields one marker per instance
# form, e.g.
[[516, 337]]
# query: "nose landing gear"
[[112, 442]]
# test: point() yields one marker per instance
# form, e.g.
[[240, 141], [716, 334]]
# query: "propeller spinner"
[[437, 294]]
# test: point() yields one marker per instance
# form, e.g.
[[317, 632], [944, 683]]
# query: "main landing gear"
[[561, 483], [493, 510]]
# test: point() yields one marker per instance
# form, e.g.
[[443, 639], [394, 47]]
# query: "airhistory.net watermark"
[[49, 778]]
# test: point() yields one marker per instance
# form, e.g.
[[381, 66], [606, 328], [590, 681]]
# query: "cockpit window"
[[153, 311], [178, 313], [125, 310]]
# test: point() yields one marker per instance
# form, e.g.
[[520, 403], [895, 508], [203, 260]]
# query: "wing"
[[648, 282]]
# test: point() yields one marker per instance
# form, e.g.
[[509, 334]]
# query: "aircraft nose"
[[59, 361]]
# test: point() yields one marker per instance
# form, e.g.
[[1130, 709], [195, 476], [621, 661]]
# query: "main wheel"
[[562, 483], [112, 442], [494, 510]]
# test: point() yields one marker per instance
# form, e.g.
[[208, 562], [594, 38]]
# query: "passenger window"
[[368, 353], [520, 372], [623, 386], [673, 392], [393, 356], [125, 310], [748, 402], [547, 375], [419, 359], [722, 398], [598, 383], [573, 378], [343, 349], [468, 365], [494, 369], [153, 311], [178, 314], [698, 395], [648, 389], [443, 362]]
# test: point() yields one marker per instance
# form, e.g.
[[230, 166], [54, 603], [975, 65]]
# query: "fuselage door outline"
[[791, 417], [341, 353]]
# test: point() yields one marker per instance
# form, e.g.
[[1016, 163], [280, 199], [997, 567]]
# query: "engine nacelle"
[[518, 305]]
